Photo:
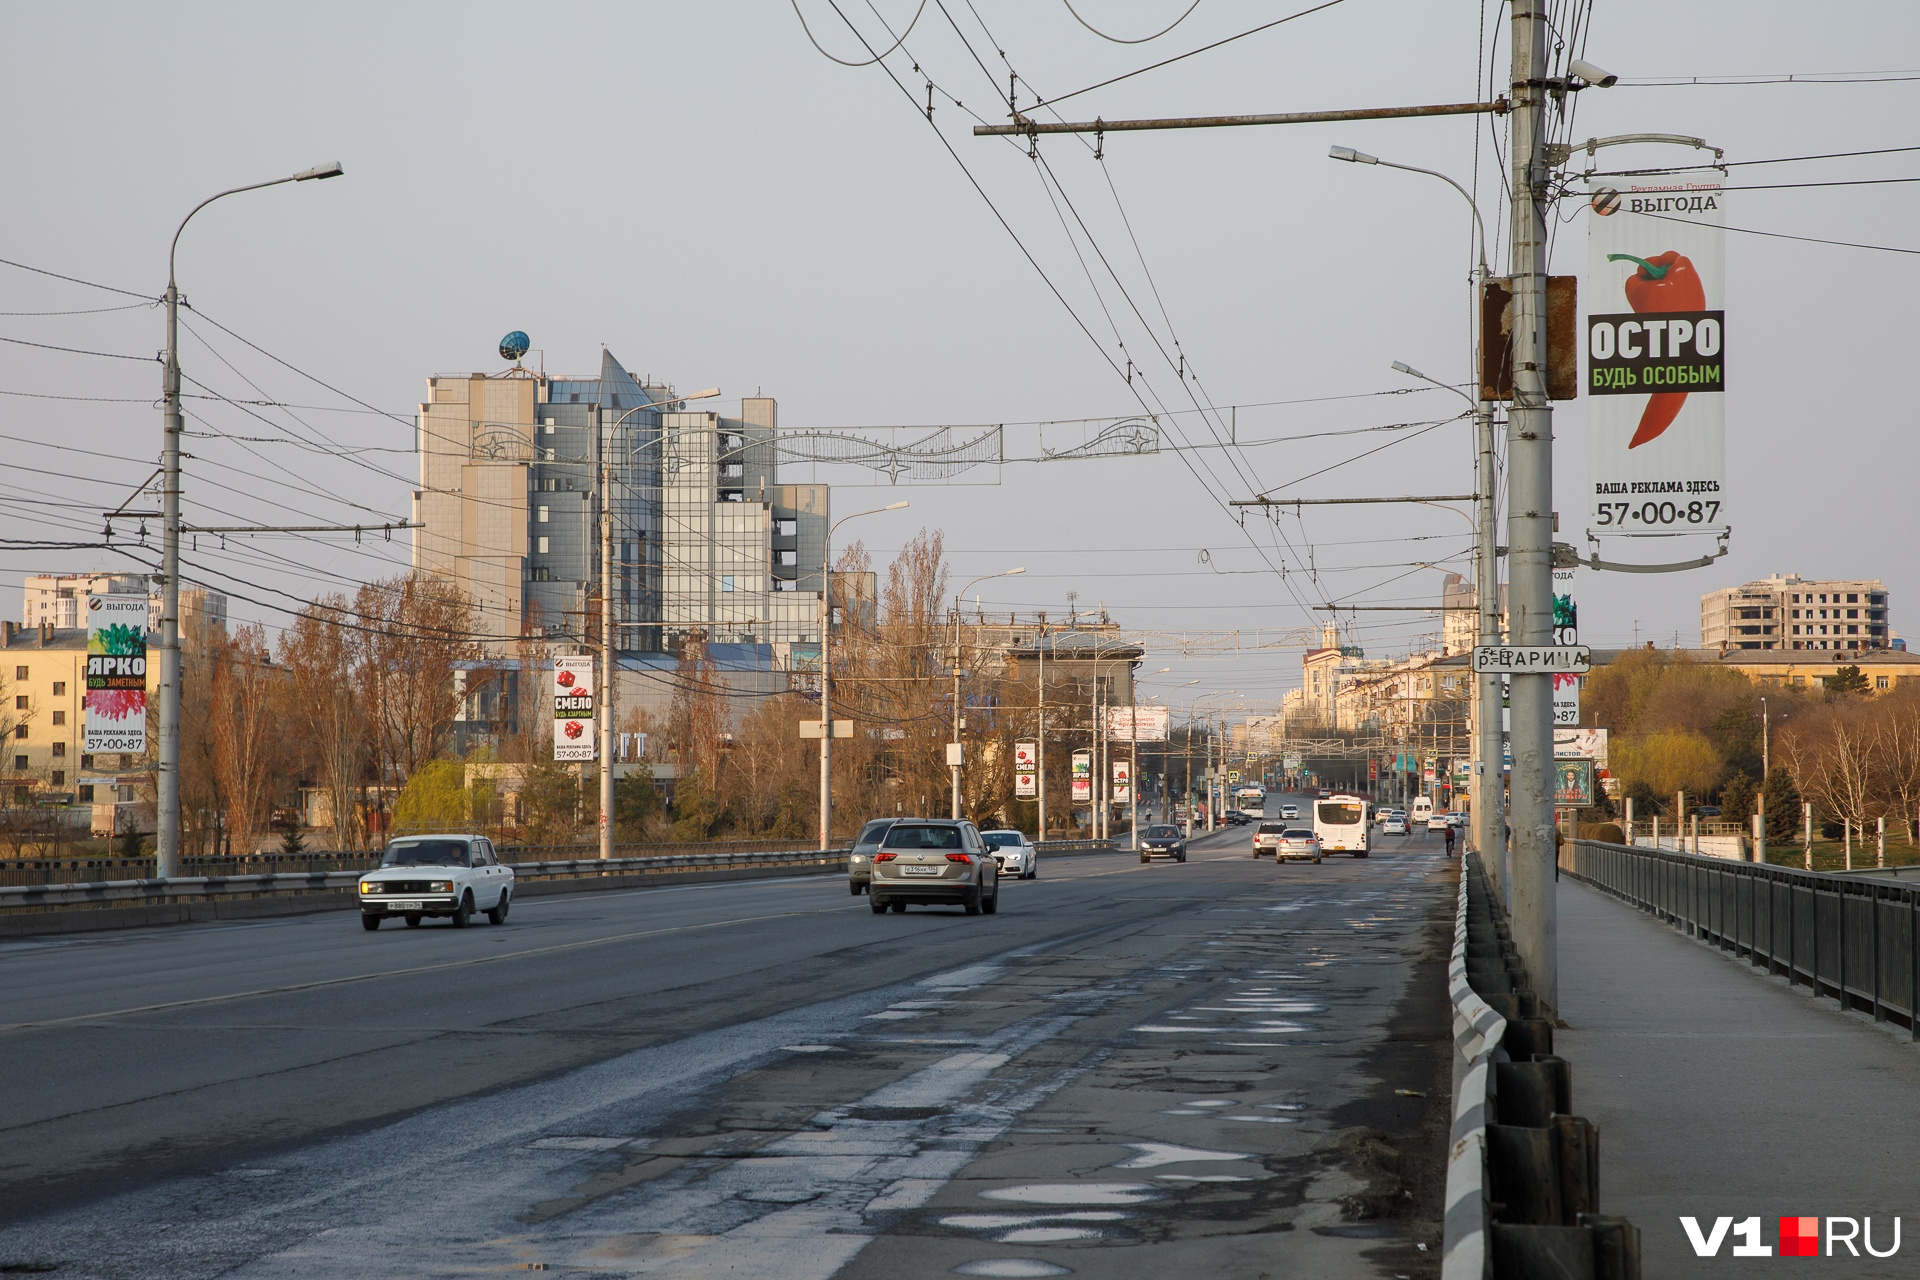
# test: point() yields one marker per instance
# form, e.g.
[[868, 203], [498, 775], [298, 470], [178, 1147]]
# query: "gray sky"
[[700, 190]]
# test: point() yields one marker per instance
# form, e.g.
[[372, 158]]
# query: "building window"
[[86, 762], [59, 777], [19, 673], [59, 688], [726, 582], [20, 702], [59, 717], [86, 794], [785, 584], [541, 513], [1853, 597], [1882, 682], [59, 748], [20, 764], [19, 731], [544, 545], [787, 557]]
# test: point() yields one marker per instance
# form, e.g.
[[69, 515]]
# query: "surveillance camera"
[[1592, 75]]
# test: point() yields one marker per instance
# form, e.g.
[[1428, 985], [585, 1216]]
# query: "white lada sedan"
[[451, 875]]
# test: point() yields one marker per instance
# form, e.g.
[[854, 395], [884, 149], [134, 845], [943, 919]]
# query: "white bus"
[[1251, 801], [1341, 823]]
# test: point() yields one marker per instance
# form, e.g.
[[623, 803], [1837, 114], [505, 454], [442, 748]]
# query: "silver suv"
[[934, 862], [860, 860]]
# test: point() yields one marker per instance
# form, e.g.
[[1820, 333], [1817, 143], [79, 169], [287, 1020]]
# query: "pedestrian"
[[1449, 841]]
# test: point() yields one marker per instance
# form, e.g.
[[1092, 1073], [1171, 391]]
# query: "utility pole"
[[605, 708], [1040, 740], [1530, 515]]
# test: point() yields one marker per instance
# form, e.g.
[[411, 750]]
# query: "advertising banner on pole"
[[1083, 777], [116, 707], [1581, 744], [1572, 784], [573, 735], [1026, 771], [1151, 724], [1122, 782], [1656, 351]]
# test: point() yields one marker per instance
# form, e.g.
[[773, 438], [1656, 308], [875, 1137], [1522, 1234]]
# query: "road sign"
[[811, 729], [1539, 659]]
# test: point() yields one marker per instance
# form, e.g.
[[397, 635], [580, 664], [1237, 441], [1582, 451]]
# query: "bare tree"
[[318, 654], [413, 631], [245, 734], [1898, 726], [1832, 752]]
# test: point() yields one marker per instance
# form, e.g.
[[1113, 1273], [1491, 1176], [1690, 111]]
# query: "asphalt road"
[[1221, 1065]]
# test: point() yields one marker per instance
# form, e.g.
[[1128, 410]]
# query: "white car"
[[436, 875], [1014, 852], [1440, 822], [1290, 811], [1395, 825]]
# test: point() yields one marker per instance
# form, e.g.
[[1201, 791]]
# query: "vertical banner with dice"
[[1026, 771], [1656, 352], [1122, 782], [573, 735], [1566, 631]]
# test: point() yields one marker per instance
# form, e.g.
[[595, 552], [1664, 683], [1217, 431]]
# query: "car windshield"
[[1296, 833], [1271, 828], [1340, 815], [1001, 839], [1162, 833], [871, 833], [923, 838], [426, 853]]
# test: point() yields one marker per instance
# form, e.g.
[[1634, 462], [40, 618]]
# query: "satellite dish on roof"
[[514, 345]]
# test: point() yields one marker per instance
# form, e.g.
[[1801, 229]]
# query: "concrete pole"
[[1806, 833], [1040, 744], [956, 705], [1530, 516], [166, 835], [826, 697], [1133, 764], [605, 707], [1880, 849]]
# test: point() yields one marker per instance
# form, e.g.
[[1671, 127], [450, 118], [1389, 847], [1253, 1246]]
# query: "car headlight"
[[857, 858], [442, 886], [369, 886]]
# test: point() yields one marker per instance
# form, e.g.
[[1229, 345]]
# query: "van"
[[1422, 810]]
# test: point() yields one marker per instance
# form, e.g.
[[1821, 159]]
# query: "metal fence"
[[30, 871], [1854, 939]]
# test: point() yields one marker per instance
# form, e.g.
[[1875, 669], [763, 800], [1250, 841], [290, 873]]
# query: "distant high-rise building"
[[1791, 612], [705, 538], [1460, 627], [58, 599]]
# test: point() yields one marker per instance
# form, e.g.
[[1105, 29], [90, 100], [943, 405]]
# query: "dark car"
[[865, 845], [1164, 842], [1235, 818]]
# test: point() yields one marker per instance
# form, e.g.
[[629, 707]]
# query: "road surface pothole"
[[777, 1195], [1050, 1235], [1012, 1268], [1075, 1193], [1007, 1221], [894, 1113], [1154, 1154]]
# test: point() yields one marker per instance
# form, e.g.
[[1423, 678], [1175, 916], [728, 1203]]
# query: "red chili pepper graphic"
[[1664, 282]]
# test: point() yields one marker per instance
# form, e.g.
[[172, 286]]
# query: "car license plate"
[[921, 871], [405, 906]]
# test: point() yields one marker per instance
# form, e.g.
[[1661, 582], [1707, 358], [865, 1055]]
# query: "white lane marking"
[[1154, 1154], [584, 1142], [1076, 1193]]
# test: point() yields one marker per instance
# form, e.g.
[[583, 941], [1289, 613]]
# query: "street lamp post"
[[954, 752], [167, 780], [1133, 759], [1489, 820], [826, 672], [607, 646]]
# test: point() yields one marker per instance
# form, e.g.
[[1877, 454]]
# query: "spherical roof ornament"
[[514, 345]]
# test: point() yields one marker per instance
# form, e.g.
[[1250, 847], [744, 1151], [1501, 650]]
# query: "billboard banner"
[[1572, 784], [1656, 352], [1581, 744], [573, 735], [1149, 723], [1566, 699], [116, 707], [1122, 782], [1026, 771], [1082, 777]]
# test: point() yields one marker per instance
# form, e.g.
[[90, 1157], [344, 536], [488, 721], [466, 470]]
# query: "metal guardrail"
[[1477, 1029], [1853, 938], [35, 871], [1076, 846], [200, 888]]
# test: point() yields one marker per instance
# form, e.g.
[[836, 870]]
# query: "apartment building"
[[706, 539], [1786, 611]]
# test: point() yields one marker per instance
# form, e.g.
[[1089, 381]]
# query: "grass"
[[1830, 855]]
